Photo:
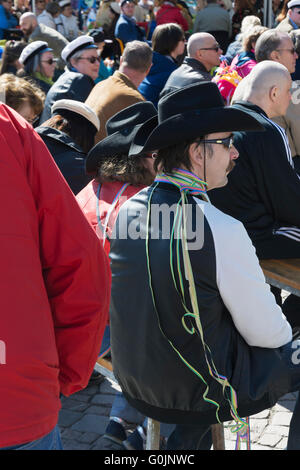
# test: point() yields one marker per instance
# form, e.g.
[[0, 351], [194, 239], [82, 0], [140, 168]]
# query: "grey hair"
[[268, 42], [75, 56], [137, 56]]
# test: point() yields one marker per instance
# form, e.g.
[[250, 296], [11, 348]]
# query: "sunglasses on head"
[[92, 59], [49, 61], [227, 142]]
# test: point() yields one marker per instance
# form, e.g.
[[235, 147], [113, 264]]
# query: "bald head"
[[204, 48], [268, 86], [197, 41], [28, 23]]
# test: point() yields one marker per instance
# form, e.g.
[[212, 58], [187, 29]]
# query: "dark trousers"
[[190, 437]]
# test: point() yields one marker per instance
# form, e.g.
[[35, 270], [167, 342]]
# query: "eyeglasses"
[[292, 50], [216, 48], [49, 61], [92, 59], [228, 142]]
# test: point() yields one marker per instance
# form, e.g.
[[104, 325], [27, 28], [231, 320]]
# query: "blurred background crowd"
[[56, 50]]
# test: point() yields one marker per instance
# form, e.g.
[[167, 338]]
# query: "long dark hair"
[[125, 169], [81, 131]]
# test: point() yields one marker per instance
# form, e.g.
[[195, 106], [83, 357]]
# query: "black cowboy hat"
[[191, 112], [121, 129]]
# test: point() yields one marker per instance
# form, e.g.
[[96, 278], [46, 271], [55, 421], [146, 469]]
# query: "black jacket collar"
[[251, 106], [195, 64]]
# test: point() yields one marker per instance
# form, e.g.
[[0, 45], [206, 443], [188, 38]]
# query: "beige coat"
[[111, 96], [291, 121]]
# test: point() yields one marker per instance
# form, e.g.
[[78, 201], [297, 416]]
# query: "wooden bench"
[[283, 273]]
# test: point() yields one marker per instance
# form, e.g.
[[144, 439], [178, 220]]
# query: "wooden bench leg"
[[153, 434], [218, 439]]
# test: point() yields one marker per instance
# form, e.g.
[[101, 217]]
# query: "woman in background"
[[22, 96], [38, 64], [244, 62], [69, 134], [106, 68], [168, 42]]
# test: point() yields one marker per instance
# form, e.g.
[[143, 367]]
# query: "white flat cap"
[[64, 3], [82, 42], [33, 48], [293, 3], [77, 107], [115, 7]]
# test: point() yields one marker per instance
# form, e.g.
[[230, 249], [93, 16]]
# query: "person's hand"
[[109, 62]]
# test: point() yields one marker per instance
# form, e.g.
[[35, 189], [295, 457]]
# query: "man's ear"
[[273, 93], [198, 54], [148, 69], [274, 56], [195, 154]]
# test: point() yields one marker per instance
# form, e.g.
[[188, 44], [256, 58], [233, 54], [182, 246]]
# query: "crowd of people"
[[109, 110]]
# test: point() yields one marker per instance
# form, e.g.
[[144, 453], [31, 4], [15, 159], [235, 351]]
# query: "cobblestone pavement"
[[84, 417]]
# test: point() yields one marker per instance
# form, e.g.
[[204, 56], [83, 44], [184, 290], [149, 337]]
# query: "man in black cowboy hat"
[[212, 343], [116, 179]]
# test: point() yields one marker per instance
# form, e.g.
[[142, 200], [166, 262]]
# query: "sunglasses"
[[292, 50], [92, 59], [215, 48], [228, 142], [49, 61]]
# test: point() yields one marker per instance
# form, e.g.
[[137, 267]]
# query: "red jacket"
[[55, 286], [171, 14]]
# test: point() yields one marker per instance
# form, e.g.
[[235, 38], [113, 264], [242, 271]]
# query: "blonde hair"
[[249, 22], [16, 91]]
